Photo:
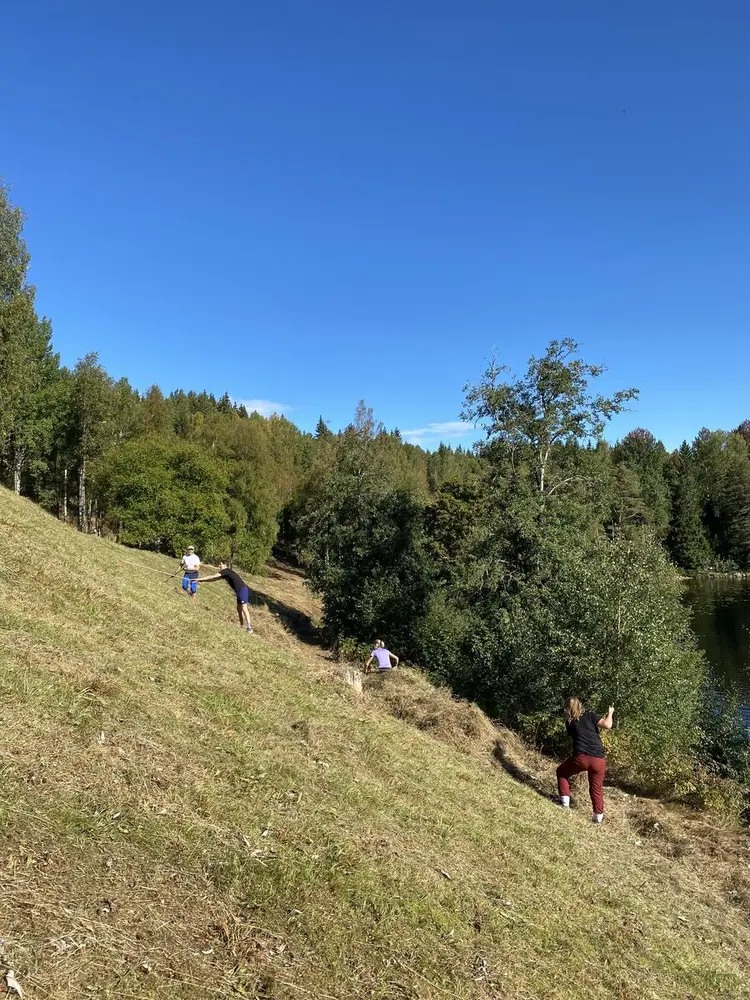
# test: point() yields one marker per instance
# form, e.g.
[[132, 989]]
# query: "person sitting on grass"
[[190, 564], [386, 659], [240, 588], [588, 754]]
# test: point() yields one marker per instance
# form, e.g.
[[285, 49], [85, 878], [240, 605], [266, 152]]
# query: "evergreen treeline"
[[157, 472], [539, 565]]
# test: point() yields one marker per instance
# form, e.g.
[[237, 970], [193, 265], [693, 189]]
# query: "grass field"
[[189, 811]]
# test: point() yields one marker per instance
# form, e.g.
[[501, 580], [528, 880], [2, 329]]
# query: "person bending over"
[[588, 754], [385, 659], [240, 588]]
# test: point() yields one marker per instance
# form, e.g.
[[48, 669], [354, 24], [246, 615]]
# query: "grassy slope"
[[188, 811]]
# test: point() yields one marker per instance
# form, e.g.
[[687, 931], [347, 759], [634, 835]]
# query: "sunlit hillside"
[[189, 811]]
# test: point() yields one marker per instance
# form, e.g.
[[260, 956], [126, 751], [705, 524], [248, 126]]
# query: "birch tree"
[[550, 405]]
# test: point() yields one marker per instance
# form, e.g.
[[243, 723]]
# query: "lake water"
[[721, 621]]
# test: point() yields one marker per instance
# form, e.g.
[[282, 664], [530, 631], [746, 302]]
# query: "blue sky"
[[309, 203]]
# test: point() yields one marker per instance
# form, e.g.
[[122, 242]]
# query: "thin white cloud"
[[446, 430], [265, 407]]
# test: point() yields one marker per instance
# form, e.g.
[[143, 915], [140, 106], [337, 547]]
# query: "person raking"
[[385, 659], [240, 588], [588, 754], [190, 564]]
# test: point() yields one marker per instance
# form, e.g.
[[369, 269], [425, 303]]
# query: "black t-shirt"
[[234, 580], [585, 735]]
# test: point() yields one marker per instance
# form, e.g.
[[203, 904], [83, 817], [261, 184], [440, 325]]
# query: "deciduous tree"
[[550, 405]]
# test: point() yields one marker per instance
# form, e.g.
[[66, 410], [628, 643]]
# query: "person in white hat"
[[190, 564]]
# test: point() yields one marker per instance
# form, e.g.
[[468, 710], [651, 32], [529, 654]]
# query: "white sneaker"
[[598, 817], [565, 801]]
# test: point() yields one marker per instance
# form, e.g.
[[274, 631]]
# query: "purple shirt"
[[383, 657]]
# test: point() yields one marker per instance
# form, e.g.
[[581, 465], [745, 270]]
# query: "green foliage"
[[456, 645], [619, 633], [551, 405], [28, 371], [722, 472], [597, 617], [644, 459], [539, 576], [322, 429], [253, 508], [519, 573], [164, 496], [687, 540], [455, 524], [27, 365], [90, 416], [213, 485], [14, 257], [362, 540], [724, 749], [447, 465]]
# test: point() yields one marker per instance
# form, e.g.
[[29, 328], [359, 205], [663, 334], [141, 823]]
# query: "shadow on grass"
[[278, 569], [298, 623], [519, 774]]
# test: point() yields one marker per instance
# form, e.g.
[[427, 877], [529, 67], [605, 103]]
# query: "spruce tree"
[[687, 541], [722, 467], [736, 504], [744, 431], [640, 452], [321, 429]]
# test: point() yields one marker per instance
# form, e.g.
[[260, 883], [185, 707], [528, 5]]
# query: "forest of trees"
[[151, 471], [544, 561]]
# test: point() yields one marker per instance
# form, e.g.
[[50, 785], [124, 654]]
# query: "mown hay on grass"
[[190, 812], [408, 695]]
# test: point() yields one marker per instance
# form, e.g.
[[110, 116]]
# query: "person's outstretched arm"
[[367, 665], [607, 720], [394, 659], [209, 579]]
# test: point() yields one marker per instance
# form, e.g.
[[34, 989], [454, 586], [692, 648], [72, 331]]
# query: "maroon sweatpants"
[[595, 768]]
